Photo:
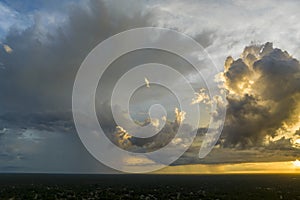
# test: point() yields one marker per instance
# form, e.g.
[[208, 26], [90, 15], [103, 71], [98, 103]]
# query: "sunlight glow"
[[297, 141], [282, 167], [296, 163]]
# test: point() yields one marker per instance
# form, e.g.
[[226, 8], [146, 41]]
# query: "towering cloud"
[[263, 98]]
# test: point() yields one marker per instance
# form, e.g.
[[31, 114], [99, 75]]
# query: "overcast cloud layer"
[[43, 45]]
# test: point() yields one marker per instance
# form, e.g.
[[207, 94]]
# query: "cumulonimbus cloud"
[[263, 97]]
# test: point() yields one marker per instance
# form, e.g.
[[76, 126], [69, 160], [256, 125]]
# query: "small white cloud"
[[155, 123], [3, 130], [7, 48], [147, 83], [179, 116], [201, 97], [30, 135]]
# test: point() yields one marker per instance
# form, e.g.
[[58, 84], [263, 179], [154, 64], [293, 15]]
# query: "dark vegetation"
[[49, 186]]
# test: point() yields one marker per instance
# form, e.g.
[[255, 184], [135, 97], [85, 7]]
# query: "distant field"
[[49, 186]]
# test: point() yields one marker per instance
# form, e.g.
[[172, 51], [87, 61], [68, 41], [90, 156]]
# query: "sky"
[[255, 48]]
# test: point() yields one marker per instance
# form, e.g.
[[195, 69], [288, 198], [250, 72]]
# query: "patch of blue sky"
[[19, 14], [12, 19]]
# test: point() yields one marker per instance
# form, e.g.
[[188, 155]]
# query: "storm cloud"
[[43, 49], [40, 71], [263, 98], [38, 67]]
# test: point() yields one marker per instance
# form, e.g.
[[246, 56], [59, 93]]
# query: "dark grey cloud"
[[36, 85], [36, 82], [263, 99], [49, 121], [31, 150], [40, 73]]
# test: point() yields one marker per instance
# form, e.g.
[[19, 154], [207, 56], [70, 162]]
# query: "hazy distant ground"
[[42, 186]]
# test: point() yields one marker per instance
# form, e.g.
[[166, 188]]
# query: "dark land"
[[147, 187]]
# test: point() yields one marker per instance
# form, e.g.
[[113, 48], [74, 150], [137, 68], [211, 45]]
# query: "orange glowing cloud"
[[238, 168]]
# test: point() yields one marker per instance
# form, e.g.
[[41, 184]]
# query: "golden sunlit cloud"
[[179, 116], [155, 122], [255, 96], [201, 97], [122, 136]]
